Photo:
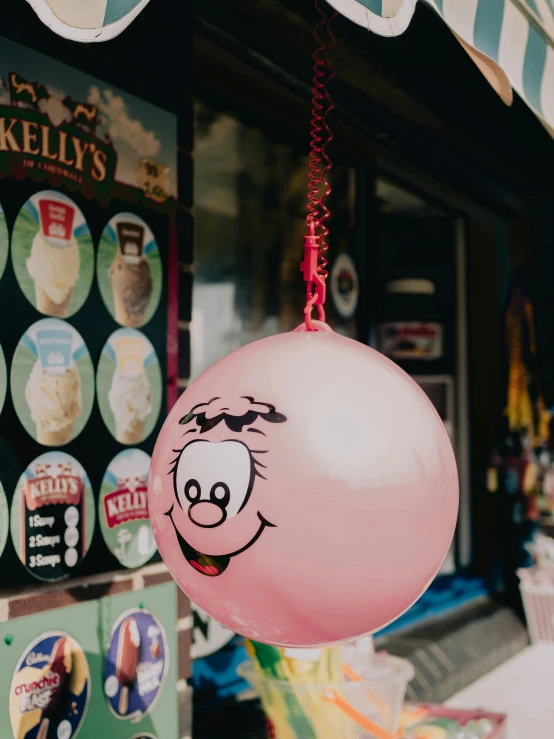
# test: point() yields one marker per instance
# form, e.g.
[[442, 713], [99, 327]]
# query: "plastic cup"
[[368, 708]]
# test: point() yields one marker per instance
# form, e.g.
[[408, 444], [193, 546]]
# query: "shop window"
[[250, 211], [421, 316]]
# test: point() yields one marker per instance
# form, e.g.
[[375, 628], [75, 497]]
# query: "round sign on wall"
[[123, 508], [129, 386], [52, 382], [4, 519], [50, 689], [52, 254], [4, 241], [136, 664], [208, 636], [344, 285], [52, 516], [129, 270], [3, 379]]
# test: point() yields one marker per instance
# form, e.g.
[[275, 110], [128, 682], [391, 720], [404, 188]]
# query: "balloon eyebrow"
[[256, 431], [190, 431]]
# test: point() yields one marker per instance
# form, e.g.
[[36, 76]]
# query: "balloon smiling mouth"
[[209, 564]]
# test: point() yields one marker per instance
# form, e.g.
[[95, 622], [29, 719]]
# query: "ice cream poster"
[[50, 689], [52, 382], [52, 516], [53, 254], [129, 270], [129, 386], [72, 129], [123, 508], [136, 664]]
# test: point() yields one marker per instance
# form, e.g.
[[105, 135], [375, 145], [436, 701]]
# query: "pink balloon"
[[303, 491]]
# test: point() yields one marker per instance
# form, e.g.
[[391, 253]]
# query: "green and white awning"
[[512, 41], [88, 20]]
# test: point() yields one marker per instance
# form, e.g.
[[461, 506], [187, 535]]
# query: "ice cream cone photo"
[[129, 386], [127, 313], [52, 254], [46, 305], [52, 382], [131, 433], [129, 270], [55, 438]]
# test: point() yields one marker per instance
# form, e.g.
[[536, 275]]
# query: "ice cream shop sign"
[[43, 136]]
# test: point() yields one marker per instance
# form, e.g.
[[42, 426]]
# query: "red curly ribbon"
[[319, 189]]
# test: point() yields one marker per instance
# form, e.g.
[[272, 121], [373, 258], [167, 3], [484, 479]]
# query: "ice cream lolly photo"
[[129, 270], [129, 386], [127, 661], [52, 382], [135, 665], [50, 689], [52, 254]]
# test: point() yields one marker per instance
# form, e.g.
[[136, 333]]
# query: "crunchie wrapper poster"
[[88, 278]]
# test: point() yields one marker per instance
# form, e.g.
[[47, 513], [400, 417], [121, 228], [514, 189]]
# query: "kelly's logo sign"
[[43, 136]]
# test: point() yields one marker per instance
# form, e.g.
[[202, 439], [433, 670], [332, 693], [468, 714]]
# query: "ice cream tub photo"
[[52, 254], [52, 516], [52, 382], [4, 242], [129, 386], [50, 689], [129, 270], [135, 665], [123, 509]]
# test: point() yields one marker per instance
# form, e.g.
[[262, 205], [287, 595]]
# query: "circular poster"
[[123, 508], [4, 519], [3, 379], [52, 382], [4, 241], [52, 516], [129, 270], [129, 386], [208, 636], [345, 288], [52, 254], [136, 664], [50, 689]]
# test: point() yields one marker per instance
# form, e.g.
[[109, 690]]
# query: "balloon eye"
[[220, 494], [192, 490]]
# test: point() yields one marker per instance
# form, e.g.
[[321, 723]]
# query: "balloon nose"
[[206, 514]]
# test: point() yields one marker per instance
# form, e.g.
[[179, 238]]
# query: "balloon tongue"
[[205, 569]]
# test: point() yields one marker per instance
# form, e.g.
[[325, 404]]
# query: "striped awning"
[[88, 20], [511, 41]]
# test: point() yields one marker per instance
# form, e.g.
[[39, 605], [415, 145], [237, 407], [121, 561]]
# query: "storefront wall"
[[448, 143]]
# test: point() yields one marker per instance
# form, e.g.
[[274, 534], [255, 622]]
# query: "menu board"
[[88, 298]]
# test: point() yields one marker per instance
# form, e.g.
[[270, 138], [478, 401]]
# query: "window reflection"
[[250, 202]]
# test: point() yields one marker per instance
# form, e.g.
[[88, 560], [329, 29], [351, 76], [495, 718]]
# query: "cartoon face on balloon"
[[214, 477], [303, 491]]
